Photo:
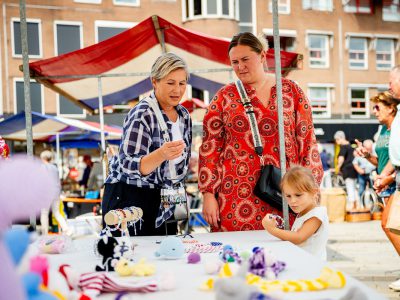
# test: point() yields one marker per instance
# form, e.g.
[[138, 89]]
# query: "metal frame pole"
[[27, 91], [278, 74], [101, 116]]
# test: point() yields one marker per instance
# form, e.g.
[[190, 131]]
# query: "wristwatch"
[[367, 155]]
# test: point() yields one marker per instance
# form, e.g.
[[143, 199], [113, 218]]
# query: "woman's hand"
[[172, 150], [268, 221], [211, 209], [382, 182], [361, 150]]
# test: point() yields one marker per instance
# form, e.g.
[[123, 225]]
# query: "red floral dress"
[[229, 166]]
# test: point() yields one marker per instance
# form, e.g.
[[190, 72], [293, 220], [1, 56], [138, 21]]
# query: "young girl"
[[310, 229]]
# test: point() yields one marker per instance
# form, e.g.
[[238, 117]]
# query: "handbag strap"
[[252, 119], [164, 130]]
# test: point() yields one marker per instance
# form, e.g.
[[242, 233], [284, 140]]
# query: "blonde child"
[[310, 229]]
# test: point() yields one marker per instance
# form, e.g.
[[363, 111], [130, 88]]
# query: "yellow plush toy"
[[125, 268]]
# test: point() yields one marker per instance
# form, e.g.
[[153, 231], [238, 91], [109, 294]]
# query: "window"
[[391, 11], [358, 6], [384, 53], [324, 5], [88, 1], [287, 38], [358, 103], [246, 16], [283, 6], [358, 54], [108, 29], [320, 99], [68, 38], [196, 9], [318, 46], [34, 38], [36, 96], [127, 2]]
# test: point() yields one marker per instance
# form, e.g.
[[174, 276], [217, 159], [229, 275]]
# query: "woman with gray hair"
[[152, 163]]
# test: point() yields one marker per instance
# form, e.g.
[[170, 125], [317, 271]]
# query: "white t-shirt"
[[394, 141], [176, 136], [315, 244]]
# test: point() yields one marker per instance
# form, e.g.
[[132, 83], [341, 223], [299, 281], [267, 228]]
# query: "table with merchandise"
[[207, 267]]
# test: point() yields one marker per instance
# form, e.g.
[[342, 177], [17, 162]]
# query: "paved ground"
[[363, 251]]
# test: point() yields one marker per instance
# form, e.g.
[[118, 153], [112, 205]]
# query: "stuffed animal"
[[39, 190], [171, 248], [105, 247], [126, 268]]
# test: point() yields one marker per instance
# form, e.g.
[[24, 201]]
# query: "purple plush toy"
[[194, 258], [26, 186]]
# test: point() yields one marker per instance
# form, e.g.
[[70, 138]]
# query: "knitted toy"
[[39, 190], [171, 248], [265, 264], [125, 267], [228, 255], [105, 247]]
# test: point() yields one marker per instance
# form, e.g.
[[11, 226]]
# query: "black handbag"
[[268, 185]]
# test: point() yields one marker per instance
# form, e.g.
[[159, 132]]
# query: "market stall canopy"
[[134, 51], [45, 128]]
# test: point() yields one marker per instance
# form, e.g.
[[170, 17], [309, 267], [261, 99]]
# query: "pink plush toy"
[[25, 187]]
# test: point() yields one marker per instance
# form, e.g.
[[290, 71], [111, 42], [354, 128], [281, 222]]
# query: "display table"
[[189, 277]]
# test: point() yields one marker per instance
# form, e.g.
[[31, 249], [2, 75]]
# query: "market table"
[[189, 277]]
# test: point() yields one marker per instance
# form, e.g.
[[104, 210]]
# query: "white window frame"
[[328, 45], [367, 104], [78, 116], [390, 16], [39, 22], [137, 4], [367, 41], [392, 54], [317, 2], [285, 11], [72, 23], [329, 87], [204, 15], [352, 9], [88, 1], [20, 79], [111, 24]]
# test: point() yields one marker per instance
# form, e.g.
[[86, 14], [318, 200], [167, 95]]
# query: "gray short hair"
[[46, 155], [339, 135], [165, 64]]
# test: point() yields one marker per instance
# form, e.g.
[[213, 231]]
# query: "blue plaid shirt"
[[141, 136]]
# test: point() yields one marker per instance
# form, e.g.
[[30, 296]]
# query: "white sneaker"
[[395, 285]]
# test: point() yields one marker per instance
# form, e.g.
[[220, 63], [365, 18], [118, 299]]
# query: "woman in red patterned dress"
[[229, 167]]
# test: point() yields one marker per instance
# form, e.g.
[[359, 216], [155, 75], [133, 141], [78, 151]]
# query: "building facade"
[[348, 46]]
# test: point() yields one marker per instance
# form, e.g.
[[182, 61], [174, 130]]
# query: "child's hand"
[[268, 221]]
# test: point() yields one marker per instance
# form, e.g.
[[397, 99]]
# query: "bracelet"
[[367, 155]]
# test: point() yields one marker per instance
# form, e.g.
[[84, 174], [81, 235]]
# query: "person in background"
[[384, 109], [86, 172], [310, 229], [229, 167], [345, 166], [47, 157], [326, 166], [146, 161], [4, 150], [363, 168]]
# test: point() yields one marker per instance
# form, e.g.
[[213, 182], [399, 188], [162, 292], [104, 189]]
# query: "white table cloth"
[[189, 277]]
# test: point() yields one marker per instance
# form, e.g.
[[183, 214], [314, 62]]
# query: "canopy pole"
[[59, 165], [160, 33], [101, 115], [278, 74], [27, 91]]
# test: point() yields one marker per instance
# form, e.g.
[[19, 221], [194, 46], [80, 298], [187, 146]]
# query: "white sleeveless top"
[[315, 244], [176, 136]]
